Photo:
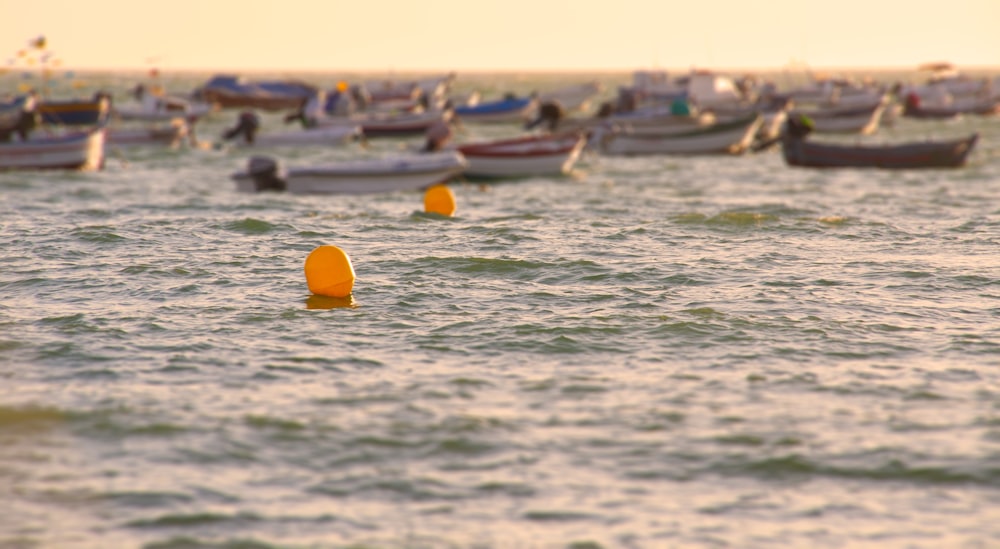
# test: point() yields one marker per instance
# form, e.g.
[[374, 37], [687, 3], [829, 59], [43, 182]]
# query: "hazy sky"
[[484, 35]]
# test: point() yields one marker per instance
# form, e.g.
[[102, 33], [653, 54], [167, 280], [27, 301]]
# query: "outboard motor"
[[550, 113], [267, 174], [247, 126]]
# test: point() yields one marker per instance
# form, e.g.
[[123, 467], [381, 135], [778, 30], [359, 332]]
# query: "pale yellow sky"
[[488, 35]]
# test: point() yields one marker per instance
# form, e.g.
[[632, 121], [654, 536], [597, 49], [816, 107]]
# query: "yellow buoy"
[[440, 200], [329, 272]]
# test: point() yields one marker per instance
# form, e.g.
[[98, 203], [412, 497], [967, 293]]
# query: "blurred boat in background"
[[508, 109], [798, 151], [230, 91], [535, 155], [376, 175], [76, 150], [729, 137], [75, 112]]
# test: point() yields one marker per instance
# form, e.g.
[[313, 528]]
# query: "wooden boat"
[[390, 125], [161, 109], [864, 120], [230, 91], [75, 112], [505, 110], [916, 107], [575, 97], [537, 155], [170, 135], [378, 175], [80, 150], [247, 133], [928, 154], [731, 137]]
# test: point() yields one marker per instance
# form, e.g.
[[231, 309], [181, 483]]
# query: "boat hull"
[[733, 137], [942, 154], [497, 112], [77, 151], [523, 157], [379, 125], [169, 135], [74, 113], [326, 135], [366, 176]]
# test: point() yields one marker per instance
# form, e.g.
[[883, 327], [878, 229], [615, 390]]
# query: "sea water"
[[652, 352]]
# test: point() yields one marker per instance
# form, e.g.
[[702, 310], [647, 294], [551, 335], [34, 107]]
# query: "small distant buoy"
[[329, 272], [440, 200]]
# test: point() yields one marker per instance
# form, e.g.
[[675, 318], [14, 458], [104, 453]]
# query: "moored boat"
[[247, 133], [75, 112], [79, 150], [798, 151], [389, 125], [230, 91], [536, 155], [150, 108], [376, 175], [505, 110], [731, 137], [170, 135], [864, 120]]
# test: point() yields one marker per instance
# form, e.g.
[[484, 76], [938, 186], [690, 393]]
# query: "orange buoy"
[[439, 199], [329, 272]]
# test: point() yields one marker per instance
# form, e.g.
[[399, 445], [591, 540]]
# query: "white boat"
[[153, 105], [389, 125], [864, 120], [169, 135], [377, 175], [328, 135], [537, 155], [80, 150], [575, 97], [247, 133], [507, 109], [732, 137], [161, 109]]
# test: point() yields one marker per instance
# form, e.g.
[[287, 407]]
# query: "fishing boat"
[[153, 108], [798, 151], [389, 124], [75, 112], [170, 135], [864, 120], [575, 97], [247, 133], [536, 155], [78, 150], [730, 137], [505, 110], [376, 175], [231, 91]]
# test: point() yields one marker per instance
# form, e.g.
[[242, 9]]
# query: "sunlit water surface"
[[655, 352]]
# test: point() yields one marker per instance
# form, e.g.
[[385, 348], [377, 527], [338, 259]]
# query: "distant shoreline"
[[557, 73]]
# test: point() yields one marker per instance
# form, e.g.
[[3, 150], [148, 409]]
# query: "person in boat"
[[437, 137], [246, 125]]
